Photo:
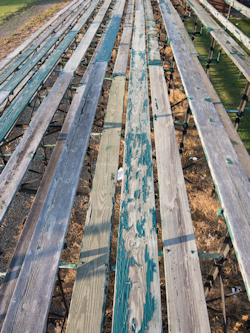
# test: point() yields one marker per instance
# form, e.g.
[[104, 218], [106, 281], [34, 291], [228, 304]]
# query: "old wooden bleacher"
[[28, 286]]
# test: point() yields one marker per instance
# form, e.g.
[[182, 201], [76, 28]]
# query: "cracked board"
[[137, 303], [187, 310]]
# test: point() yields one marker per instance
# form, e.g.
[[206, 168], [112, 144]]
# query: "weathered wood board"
[[92, 274], [137, 304], [186, 304], [245, 40], [229, 177], [33, 37], [37, 278], [10, 116], [34, 46], [9, 282], [239, 6]]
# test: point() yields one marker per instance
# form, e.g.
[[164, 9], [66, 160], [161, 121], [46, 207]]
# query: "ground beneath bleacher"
[[210, 229]]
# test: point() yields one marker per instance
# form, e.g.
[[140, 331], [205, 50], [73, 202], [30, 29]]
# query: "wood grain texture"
[[87, 308], [18, 164], [239, 6], [245, 40], [187, 311], [229, 177], [37, 278], [31, 63], [10, 116], [9, 282], [229, 45], [30, 303], [33, 37], [137, 304], [16, 63], [227, 122]]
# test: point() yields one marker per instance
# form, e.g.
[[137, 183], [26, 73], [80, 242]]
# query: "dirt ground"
[[210, 229]]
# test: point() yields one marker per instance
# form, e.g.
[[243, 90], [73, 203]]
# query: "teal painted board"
[[137, 304], [30, 64], [186, 304], [23, 46], [43, 117], [16, 169], [92, 276], [4, 75], [12, 113]]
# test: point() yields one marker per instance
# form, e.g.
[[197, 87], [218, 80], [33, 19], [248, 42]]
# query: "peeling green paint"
[[229, 161], [208, 99], [211, 120]]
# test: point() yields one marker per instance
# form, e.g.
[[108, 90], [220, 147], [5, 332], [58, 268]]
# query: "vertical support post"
[[171, 75], [184, 133], [195, 27], [242, 106], [210, 55], [223, 300], [201, 29], [228, 16], [63, 297], [89, 167]]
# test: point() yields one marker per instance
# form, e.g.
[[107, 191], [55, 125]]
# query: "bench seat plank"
[[230, 180], [245, 40], [15, 265], [37, 277], [239, 6], [17, 78], [11, 115], [34, 36], [187, 310], [229, 45], [91, 282], [137, 303]]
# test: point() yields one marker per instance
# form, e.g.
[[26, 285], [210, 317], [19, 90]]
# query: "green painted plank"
[[4, 75], [95, 249], [187, 311], [30, 64], [28, 41], [13, 112], [30, 142], [137, 304]]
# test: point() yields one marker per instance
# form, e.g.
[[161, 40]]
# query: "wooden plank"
[[30, 64], [230, 180], [227, 122], [232, 49], [15, 109], [22, 156], [187, 310], [183, 31], [239, 6], [229, 127], [28, 41], [227, 24], [137, 304], [37, 277], [206, 19], [92, 276], [9, 282], [8, 71]]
